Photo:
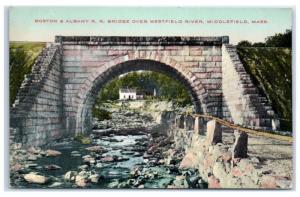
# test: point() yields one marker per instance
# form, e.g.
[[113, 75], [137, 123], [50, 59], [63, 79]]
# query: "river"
[[131, 166], [127, 158]]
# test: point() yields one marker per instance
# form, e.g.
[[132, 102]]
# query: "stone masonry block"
[[195, 52], [194, 58]]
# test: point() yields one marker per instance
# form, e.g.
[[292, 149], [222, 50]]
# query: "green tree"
[[277, 40], [244, 43], [258, 44], [167, 88], [280, 39]]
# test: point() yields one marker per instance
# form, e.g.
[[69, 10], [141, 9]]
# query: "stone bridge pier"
[[56, 98]]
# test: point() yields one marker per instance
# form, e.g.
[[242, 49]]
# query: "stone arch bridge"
[[56, 99]]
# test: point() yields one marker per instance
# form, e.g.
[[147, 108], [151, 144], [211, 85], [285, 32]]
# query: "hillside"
[[21, 58], [271, 69]]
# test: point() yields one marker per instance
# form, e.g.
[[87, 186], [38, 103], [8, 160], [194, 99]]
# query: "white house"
[[127, 94]]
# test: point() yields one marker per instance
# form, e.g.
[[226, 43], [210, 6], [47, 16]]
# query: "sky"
[[25, 22]]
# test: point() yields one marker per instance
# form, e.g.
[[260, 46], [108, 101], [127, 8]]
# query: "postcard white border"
[[219, 3]]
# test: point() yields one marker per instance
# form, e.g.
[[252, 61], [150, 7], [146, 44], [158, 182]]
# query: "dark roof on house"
[[127, 90]]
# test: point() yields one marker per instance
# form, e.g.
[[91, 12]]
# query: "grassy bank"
[[21, 58]]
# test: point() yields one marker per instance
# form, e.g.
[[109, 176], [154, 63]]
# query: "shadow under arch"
[[87, 94]]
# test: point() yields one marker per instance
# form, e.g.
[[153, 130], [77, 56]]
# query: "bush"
[[82, 139], [101, 114]]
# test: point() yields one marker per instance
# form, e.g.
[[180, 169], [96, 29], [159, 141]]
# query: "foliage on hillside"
[[167, 88], [21, 58], [271, 70], [101, 114]]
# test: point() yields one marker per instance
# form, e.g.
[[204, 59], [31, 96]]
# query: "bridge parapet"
[[132, 41]]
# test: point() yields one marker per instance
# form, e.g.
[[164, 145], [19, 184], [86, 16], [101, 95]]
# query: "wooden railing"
[[249, 131]]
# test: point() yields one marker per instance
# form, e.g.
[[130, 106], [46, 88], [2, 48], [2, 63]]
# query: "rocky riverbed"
[[144, 147], [123, 122], [128, 151]]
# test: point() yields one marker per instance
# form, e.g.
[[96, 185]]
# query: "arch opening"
[[84, 113]]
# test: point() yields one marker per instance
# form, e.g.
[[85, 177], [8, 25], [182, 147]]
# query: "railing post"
[[214, 133], [275, 124], [240, 146], [188, 122], [197, 125], [180, 122]]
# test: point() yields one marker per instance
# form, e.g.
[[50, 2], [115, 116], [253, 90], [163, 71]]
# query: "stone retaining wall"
[[222, 164], [246, 105], [38, 111]]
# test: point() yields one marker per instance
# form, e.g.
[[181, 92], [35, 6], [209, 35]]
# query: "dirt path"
[[273, 155]]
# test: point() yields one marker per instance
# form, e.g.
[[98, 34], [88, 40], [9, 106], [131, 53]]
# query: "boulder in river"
[[128, 152], [137, 154], [107, 159], [70, 175], [34, 150], [32, 157], [89, 159], [83, 167], [96, 149], [141, 186], [121, 159], [75, 154], [31, 165], [147, 156], [52, 167], [16, 167], [114, 140], [99, 165], [80, 181], [179, 182], [94, 178], [189, 161], [35, 178], [55, 185], [113, 184], [52, 153]]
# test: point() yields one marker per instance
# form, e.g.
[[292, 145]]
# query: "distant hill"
[[271, 69]]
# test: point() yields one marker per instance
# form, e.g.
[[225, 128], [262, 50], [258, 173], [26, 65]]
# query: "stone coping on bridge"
[[141, 40]]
